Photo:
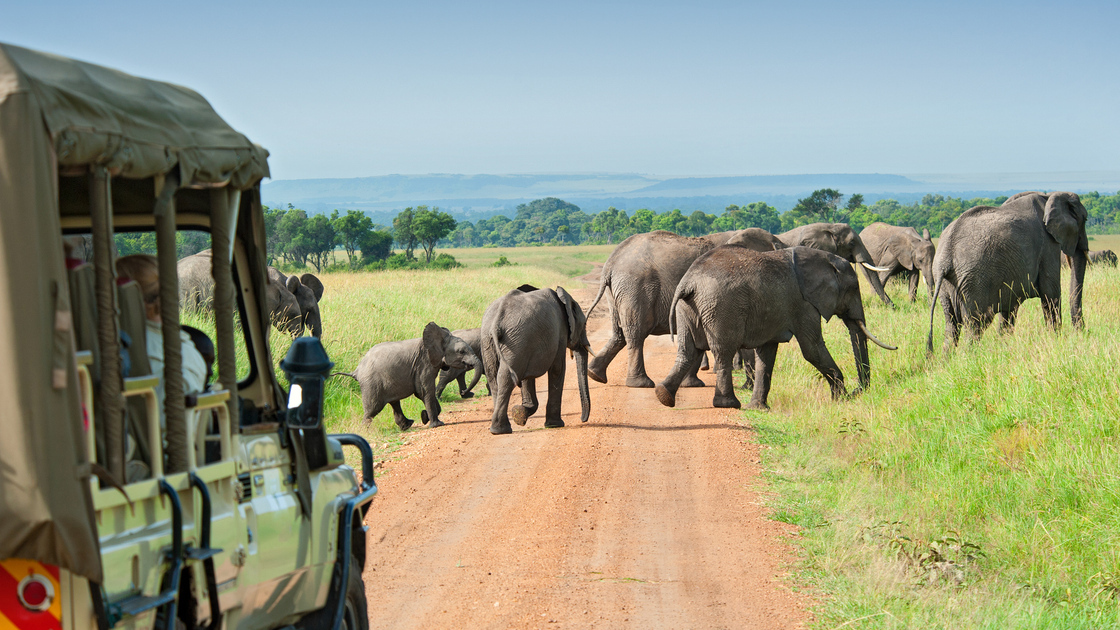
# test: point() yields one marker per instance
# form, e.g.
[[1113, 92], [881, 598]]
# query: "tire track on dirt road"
[[645, 517]]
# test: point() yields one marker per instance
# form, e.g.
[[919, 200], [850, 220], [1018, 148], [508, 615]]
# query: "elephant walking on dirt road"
[[641, 275], [734, 298], [527, 334], [990, 259]]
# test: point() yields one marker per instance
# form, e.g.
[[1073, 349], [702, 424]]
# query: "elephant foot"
[[404, 425], [638, 381], [692, 381], [423, 416], [466, 394], [747, 385], [725, 402], [520, 415], [553, 424], [755, 405], [596, 376], [500, 428], [436, 422], [664, 396]]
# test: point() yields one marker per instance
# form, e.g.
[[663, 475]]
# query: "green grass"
[[1005, 451]]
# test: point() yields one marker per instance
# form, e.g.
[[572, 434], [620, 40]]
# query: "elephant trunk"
[[474, 363], [581, 378], [863, 257], [315, 325], [1077, 265]]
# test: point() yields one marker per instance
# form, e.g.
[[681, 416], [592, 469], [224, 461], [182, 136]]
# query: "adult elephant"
[[525, 335], [991, 259], [902, 251], [734, 298], [839, 239], [641, 274], [293, 303]]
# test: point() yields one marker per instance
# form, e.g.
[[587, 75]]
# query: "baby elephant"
[[474, 339], [528, 333], [395, 370]]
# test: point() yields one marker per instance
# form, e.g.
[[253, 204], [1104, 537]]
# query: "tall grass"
[[975, 490]]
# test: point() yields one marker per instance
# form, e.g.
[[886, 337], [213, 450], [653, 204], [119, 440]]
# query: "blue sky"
[[349, 89]]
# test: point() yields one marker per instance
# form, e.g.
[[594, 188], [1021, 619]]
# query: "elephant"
[[990, 259], [473, 338], [842, 240], [293, 303], [394, 370], [1101, 257], [524, 336], [901, 250], [734, 298], [642, 273]]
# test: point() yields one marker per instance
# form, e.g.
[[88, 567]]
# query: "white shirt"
[[194, 366]]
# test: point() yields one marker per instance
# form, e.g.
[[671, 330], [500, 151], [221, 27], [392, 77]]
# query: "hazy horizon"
[[356, 89]]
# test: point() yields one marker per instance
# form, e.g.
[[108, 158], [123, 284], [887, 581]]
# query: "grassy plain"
[[979, 489]]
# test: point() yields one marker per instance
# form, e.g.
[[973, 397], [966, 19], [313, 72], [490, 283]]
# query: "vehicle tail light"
[[35, 592]]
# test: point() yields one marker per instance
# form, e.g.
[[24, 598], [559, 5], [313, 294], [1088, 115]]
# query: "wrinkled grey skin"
[[641, 275], [734, 298], [902, 250], [286, 308], [989, 260], [473, 338], [525, 335], [394, 370], [755, 239], [839, 239]]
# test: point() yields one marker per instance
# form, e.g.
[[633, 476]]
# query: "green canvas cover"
[[57, 112]]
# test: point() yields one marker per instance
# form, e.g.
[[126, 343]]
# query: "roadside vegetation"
[[975, 490]]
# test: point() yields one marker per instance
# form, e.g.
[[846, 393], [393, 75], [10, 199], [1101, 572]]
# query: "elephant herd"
[[735, 294]]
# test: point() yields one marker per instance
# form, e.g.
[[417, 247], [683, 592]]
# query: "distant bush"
[[444, 261], [502, 262]]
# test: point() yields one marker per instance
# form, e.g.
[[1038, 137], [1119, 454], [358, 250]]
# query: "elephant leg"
[[372, 408], [636, 368], [724, 396], [914, 278], [1007, 321], [764, 358], [747, 359], [445, 377], [464, 391], [432, 409], [503, 388], [693, 379], [403, 423], [520, 414], [687, 363], [816, 353], [597, 368], [552, 417], [952, 320], [704, 362]]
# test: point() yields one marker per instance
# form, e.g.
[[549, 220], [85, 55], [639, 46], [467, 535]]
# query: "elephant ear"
[[925, 235], [313, 283], [569, 313], [527, 288], [434, 340], [825, 240], [292, 284], [1064, 218], [905, 253], [818, 281]]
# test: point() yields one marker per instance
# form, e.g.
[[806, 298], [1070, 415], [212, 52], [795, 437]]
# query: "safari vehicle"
[[228, 508]]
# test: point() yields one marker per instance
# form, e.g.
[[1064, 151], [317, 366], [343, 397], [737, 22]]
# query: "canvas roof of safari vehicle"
[[63, 117]]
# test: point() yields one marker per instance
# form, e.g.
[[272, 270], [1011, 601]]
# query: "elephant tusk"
[[589, 351], [874, 268], [872, 338]]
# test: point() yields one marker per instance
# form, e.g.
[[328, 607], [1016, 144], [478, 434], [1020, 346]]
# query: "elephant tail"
[[682, 293], [503, 354], [345, 374], [604, 282], [932, 306]]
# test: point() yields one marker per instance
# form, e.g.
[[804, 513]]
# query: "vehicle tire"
[[354, 615]]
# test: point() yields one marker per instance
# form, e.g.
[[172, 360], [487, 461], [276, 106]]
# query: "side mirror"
[[307, 367]]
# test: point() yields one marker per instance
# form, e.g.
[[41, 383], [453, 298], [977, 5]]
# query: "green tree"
[[376, 245], [321, 239], [855, 202], [822, 203], [429, 227], [351, 229], [403, 233]]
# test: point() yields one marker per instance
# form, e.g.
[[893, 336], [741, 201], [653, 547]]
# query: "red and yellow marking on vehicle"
[[35, 578]]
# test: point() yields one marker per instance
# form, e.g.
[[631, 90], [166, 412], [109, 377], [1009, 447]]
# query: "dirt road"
[[645, 517]]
